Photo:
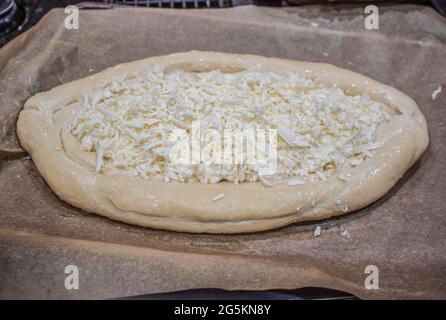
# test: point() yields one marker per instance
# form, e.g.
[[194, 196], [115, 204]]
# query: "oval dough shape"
[[191, 206]]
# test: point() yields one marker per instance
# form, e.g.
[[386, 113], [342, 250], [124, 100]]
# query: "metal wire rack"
[[174, 3]]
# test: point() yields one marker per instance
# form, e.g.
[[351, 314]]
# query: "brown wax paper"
[[403, 234]]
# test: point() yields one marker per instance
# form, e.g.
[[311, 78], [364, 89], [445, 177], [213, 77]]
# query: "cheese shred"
[[319, 129]]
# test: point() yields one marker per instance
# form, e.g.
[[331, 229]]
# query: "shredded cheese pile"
[[320, 129]]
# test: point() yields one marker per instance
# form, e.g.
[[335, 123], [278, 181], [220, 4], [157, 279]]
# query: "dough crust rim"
[[246, 207]]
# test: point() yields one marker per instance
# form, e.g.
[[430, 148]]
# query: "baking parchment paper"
[[402, 234]]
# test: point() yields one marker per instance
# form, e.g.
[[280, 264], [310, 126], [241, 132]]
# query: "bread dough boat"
[[45, 130]]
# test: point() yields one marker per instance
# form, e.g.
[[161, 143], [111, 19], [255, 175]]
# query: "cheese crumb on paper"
[[317, 231], [436, 92]]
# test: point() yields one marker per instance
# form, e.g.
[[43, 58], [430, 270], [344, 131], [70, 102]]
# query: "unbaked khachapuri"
[[104, 143]]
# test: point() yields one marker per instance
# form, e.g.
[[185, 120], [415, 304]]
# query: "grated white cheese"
[[294, 182], [343, 177], [342, 206], [218, 197], [320, 129], [345, 234], [317, 231], [436, 92], [356, 161]]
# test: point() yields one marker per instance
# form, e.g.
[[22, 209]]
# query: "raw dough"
[[190, 207]]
